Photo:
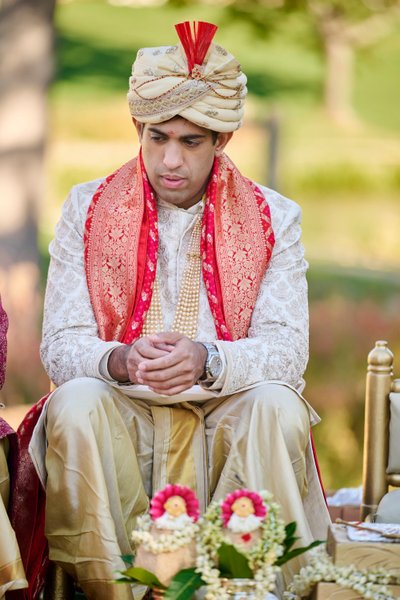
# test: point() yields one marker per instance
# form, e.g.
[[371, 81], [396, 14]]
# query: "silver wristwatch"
[[213, 365]]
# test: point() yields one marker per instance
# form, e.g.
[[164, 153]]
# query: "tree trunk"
[[26, 65], [339, 75]]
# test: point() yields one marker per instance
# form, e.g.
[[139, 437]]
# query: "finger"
[[168, 360], [146, 349], [167, 337], [150, 352], [141, 350], [166, 347], [164, 376]]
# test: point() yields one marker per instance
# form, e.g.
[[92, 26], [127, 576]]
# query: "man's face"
[[178, 157]]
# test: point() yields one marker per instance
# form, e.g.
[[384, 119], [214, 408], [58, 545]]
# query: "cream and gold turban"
[[168, 81]]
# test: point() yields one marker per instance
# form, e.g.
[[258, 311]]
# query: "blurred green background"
[[346, 178]]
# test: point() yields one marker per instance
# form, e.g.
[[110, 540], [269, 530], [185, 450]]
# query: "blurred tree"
[[26, 67], [340, 27]]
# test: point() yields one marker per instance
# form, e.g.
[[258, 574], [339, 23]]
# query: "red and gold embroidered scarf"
[[121, 245]]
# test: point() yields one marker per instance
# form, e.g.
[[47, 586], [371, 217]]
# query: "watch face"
[[215, 366]]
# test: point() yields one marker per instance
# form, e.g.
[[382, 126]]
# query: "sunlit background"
[[322, 127]]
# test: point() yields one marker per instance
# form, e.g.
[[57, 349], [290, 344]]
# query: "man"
[[175, 325], [12, 576]]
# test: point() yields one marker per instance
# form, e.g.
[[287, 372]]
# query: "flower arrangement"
[[176, 509], [370, 584], [241, 537], [175, 501], [243, 510], [165, 539]]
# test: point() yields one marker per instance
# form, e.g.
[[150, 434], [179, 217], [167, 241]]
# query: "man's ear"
[[222, 140], [139, 128]]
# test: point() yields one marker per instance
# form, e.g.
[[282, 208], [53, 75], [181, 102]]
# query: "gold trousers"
[[12, 576], [108, 453]]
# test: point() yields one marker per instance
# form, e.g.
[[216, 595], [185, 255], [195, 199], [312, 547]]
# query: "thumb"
[[166, 337]]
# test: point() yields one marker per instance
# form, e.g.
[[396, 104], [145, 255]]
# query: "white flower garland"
[[166, 542], [261, 556], [369, 584]]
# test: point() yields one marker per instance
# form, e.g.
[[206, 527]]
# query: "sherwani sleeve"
[[71, 346], [277, 344]]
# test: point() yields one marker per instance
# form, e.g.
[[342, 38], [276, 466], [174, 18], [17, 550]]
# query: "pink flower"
[[260, 510], [157, 504]]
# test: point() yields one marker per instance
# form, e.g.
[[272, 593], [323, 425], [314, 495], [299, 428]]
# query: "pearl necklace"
[[187, 310]]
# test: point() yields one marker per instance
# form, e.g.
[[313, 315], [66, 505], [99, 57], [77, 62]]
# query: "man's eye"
[[192, 143], [157, 138]]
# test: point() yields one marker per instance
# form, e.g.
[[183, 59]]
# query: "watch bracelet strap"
[[205, 378]]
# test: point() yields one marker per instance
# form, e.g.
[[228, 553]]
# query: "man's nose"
[[173, 157]]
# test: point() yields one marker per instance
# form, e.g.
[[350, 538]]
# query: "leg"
[[98, 461], [258, 439]]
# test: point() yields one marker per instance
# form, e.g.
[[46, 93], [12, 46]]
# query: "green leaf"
[[290, 538], [233, 563], [128, 559], [297, 551], [183, 585], [139, 575], [291, 529]]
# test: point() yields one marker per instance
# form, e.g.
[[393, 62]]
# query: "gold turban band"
[[197, 80]]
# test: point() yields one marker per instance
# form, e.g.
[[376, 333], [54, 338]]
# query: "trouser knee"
[[276, 405], [76, 401]]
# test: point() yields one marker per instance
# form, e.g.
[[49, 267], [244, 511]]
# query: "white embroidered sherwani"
[[256, 438]]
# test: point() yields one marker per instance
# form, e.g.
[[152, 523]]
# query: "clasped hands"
[[168, 363]]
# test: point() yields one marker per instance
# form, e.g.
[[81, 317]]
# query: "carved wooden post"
[[379, 378]]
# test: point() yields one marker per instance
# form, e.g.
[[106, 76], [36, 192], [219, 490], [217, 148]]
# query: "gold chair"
[[381, 468]]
